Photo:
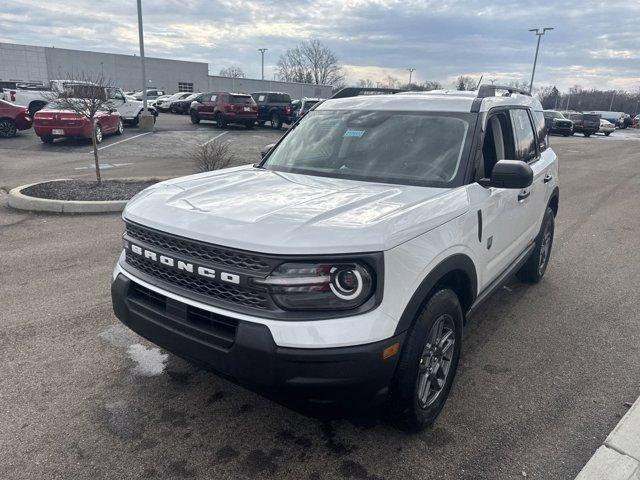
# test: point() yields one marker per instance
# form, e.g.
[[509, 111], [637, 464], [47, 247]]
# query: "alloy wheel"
[[434, 367], [7, 129], [545, 249]]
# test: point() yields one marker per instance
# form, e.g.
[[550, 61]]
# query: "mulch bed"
[[83, 190]]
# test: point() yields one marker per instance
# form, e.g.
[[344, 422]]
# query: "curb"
[[619, 457], [19, 201]]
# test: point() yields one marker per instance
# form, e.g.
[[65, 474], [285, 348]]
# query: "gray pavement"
[[544, 375]]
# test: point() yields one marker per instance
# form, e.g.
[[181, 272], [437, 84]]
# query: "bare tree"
[[310, 62], [86, 95], [233, 71], [392, 82], [212, 155], [465, 82], [366, 83]]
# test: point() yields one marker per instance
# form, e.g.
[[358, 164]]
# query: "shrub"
[[211, 156]]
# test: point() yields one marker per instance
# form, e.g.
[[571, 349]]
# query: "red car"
[[225, 108], [13, 118], [53, 121]]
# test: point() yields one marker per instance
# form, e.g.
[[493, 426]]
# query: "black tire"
[[195, 119], [119, 128], [46, 139], [8, 128], [261, 124], [587, 135], [250, 125], [606, 134], [566, 134], [35, 107], [535, 267], [415, 375], [220, 121], [276, 123]]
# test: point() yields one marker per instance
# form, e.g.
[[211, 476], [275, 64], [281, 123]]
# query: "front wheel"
[[195, 119], [250, 125], [587, 135], [220, 121], [428, 363], [535, 267], [606, 134], [120, 128], [276, 122], [8, 128]]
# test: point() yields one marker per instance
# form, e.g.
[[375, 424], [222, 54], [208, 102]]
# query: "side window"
[[204, 98], [497, 143], [213, 98], [261, 98], [541, 131], [524, 135]]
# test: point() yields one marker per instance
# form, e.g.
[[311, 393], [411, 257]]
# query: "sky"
[[594, 44]]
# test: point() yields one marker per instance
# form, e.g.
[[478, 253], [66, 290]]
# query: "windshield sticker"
[[354, 133]]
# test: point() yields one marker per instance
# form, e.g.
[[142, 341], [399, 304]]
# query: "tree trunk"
[[95, 152]]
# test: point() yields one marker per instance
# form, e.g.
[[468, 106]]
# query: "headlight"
[[320, 286]]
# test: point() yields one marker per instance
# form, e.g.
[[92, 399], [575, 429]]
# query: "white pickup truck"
[[35, 99]]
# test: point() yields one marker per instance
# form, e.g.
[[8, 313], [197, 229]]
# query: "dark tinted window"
[[541, 131], [525, 138], [279, 98], [241, 99]]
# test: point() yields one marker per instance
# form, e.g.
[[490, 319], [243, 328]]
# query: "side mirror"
[[266, 149], [509, 174]]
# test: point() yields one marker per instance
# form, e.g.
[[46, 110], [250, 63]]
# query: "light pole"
[[411, 70], [539, 32], [145, 122], [262, 50], [612, 97]]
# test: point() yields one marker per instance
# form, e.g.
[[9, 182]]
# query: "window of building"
[[185, 87]]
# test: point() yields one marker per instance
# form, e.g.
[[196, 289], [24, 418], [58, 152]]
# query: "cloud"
[[594, 43]]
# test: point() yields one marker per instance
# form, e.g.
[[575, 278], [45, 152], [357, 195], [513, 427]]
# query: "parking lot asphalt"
[[544, 375]]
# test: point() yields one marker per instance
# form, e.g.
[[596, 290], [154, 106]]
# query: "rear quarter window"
[[541, 131]]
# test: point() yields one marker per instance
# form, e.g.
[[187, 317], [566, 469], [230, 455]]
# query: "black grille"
[[214, 254], [208, 326], [200, 285]]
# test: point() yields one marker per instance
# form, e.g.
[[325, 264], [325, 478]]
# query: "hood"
[[273, 212]]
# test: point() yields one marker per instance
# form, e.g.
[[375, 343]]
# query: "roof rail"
[[357, 91], [490, 90]]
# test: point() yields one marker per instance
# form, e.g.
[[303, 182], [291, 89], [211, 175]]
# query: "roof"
[[434, 100]]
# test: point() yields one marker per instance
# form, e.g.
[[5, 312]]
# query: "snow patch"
[[149, 361]]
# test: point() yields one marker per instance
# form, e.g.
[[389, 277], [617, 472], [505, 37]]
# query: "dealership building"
[[38, 65]]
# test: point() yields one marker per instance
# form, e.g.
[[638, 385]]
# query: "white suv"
[[347, 262]]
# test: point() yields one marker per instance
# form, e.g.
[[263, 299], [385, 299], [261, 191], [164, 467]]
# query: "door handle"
[[547, 178], [523, 195]]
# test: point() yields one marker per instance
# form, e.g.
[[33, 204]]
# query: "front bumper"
[[246, 350]]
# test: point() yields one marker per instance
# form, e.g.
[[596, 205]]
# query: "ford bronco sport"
[[347, 262]]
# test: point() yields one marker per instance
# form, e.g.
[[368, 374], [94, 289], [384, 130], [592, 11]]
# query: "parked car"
[[557, 123], [152, 94], [164, 103], [301, 108], [585, 123], [54, 121], [225, 108], [635, 123], [274, 107], [606, 127], [182, 106], [345, 265], [130, 110], [12, 119]]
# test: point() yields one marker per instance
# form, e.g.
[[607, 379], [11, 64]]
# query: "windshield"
[[418, 148], [553, 115]]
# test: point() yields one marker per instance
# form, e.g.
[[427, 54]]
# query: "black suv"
[[585, 123], [557, 123], [274, 107]]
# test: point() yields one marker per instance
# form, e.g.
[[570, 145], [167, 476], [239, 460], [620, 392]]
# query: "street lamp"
[[411, 70], [262, 50], [539, 32], [145, 123]]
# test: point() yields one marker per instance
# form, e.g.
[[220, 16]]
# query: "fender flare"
[[457, 262], [554, 200]]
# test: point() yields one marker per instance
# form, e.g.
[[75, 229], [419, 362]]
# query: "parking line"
[[122, 141], [214, 138]]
